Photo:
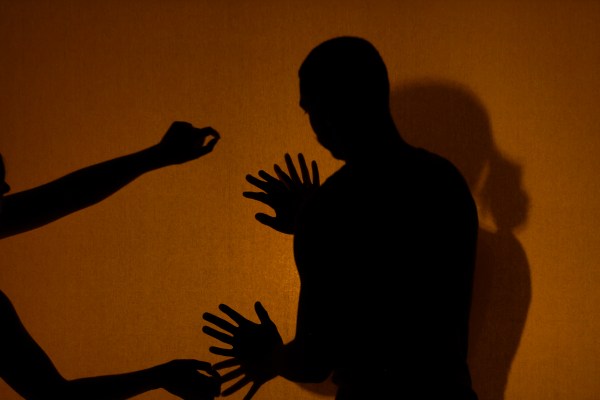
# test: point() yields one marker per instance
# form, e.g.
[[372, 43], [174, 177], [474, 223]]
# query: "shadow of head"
[[449, 119]]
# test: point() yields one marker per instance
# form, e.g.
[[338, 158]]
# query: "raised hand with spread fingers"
[[255, 348], [286, 193]]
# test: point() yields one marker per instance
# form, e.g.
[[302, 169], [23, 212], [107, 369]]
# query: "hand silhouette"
[[285, 193], [183, 142], [183, 379], [254, 348]]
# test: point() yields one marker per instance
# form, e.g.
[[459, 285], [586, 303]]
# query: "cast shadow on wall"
[[449, 119]]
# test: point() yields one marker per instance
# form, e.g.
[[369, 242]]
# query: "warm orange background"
[[510, 88]]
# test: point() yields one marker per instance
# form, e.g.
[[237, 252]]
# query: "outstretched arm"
[[26, 368], [186, 379], [33, 208]]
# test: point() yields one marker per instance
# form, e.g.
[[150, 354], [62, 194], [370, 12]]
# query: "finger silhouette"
[[220, 322]]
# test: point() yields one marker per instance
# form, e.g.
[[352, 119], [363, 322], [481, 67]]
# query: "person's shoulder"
[[6, 306], [441, 170], [434, 161]]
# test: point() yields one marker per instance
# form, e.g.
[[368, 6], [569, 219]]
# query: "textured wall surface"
[[509, 91]]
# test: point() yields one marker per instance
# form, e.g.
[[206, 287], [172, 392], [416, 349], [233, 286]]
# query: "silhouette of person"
[[385, 250], [24, 365]]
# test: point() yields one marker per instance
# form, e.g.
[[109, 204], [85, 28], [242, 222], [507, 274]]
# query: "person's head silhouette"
[[344, 89]]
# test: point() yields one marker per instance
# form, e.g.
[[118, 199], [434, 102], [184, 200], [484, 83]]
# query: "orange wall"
[[508, 90]]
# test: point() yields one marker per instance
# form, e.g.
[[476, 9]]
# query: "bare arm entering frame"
[[36, 207], [28, 370], [24, 365]]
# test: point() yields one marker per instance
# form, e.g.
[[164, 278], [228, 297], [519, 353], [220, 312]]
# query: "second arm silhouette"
[[23, 363]]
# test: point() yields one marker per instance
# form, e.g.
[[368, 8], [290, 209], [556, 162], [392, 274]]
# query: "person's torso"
[[377, 240]]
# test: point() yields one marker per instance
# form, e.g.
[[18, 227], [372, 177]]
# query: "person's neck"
[[382, 138]]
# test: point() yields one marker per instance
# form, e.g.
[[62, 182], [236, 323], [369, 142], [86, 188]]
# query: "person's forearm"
[[112, 387], [39, 206], [295, 363], [306, 359], [26, 368]]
